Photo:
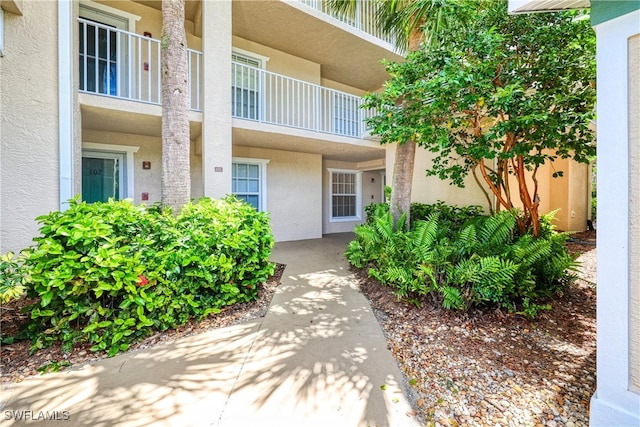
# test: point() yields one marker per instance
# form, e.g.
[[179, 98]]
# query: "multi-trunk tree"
[[498, 98]]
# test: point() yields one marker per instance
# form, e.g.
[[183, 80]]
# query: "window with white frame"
[[346, 115], [245, 86], [249, 181], [346, 194], [101, 49]]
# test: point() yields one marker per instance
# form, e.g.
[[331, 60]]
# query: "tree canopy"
[[412, 24], [498, 97]]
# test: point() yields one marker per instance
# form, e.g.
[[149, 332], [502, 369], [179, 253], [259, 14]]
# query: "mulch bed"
[[489, 367]]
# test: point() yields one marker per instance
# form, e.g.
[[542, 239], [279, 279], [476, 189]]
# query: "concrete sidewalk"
[[318, 358]]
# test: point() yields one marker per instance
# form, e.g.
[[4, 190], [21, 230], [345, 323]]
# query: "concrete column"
[[634, 211], [65, 100], [77, 115], [216, 120], [614, 403]]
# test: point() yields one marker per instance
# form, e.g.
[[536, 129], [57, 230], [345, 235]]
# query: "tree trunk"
[[530, 206], [402, 180], [176, 177], [404, 161]]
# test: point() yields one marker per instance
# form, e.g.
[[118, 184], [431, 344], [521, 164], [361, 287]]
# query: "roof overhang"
[[531, 6]]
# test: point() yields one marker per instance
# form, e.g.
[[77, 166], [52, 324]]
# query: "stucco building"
[[274, 93]]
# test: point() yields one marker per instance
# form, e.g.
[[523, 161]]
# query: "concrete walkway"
[[318, 358]]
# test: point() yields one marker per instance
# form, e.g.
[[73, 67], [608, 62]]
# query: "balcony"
[[271, 98], [124, 65], [363, 19]]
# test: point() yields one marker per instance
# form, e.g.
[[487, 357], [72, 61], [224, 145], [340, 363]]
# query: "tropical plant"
[[489, 102], [448, 215], [108, 274], [11, 286], [482, 261], [411, 23]]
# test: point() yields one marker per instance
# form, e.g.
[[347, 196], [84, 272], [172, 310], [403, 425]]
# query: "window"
[[101, 50], [245, 86], [346, 194], [345, 115], [249, 182]]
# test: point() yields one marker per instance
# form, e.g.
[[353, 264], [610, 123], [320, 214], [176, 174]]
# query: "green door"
[[101, 177]]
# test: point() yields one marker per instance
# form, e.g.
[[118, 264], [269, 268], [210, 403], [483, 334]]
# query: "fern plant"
[[479, 261]]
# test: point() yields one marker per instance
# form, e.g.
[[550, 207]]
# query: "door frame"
[[109, 151]]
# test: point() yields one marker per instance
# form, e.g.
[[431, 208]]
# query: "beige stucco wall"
[[216, 117], [150, 20], [431, 189], [369, 189], [29, 178], [634, 211], [372, 188], [342, 87], [150, 149], [294, 191], [197, 189], [569, 194], [282, 63]]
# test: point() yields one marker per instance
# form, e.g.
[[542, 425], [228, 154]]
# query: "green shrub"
[[465, 262], [110, 273], [224, 254], [11, 286]]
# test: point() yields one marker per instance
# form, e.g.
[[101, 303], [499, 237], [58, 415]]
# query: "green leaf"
[[46, 298]]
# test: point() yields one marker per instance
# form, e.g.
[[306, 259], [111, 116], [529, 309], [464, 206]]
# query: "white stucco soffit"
[[528, 6]]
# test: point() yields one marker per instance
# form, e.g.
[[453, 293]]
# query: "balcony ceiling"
[[120, 119], [191, 7], [331, 147], [300, 31]]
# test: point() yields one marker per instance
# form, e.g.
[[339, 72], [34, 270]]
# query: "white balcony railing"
[[272, 98], [363, 19], [125, 65]]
